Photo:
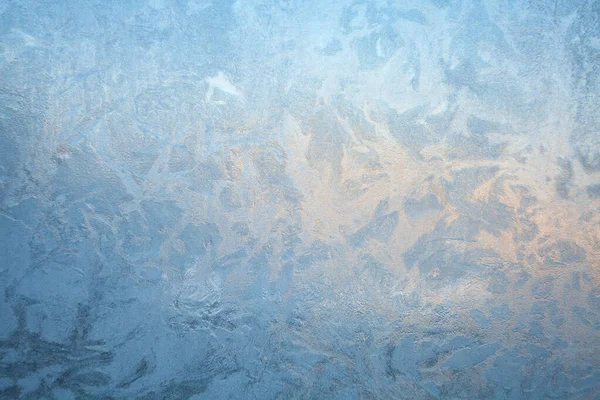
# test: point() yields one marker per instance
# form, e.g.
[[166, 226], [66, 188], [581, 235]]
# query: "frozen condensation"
[[285, 199]]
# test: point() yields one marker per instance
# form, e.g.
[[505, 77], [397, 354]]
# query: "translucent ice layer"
[[318, 199]]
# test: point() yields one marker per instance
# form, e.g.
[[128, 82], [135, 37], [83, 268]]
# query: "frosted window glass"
[[320, 199]]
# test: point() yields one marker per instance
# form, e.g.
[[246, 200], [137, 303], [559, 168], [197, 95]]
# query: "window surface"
[[284, 199]]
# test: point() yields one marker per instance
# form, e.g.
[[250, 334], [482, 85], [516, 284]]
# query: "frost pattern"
[[271, 199]]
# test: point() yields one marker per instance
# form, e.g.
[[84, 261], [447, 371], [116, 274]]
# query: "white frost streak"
[[222, 83]]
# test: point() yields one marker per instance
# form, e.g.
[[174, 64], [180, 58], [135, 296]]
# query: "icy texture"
[[320, 199]]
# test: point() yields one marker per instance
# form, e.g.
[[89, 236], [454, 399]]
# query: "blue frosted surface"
[[281, 199]]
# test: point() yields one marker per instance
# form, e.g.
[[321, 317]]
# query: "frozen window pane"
[[279, 199]]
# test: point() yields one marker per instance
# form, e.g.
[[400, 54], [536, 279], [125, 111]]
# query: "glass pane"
[[277, 199]]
